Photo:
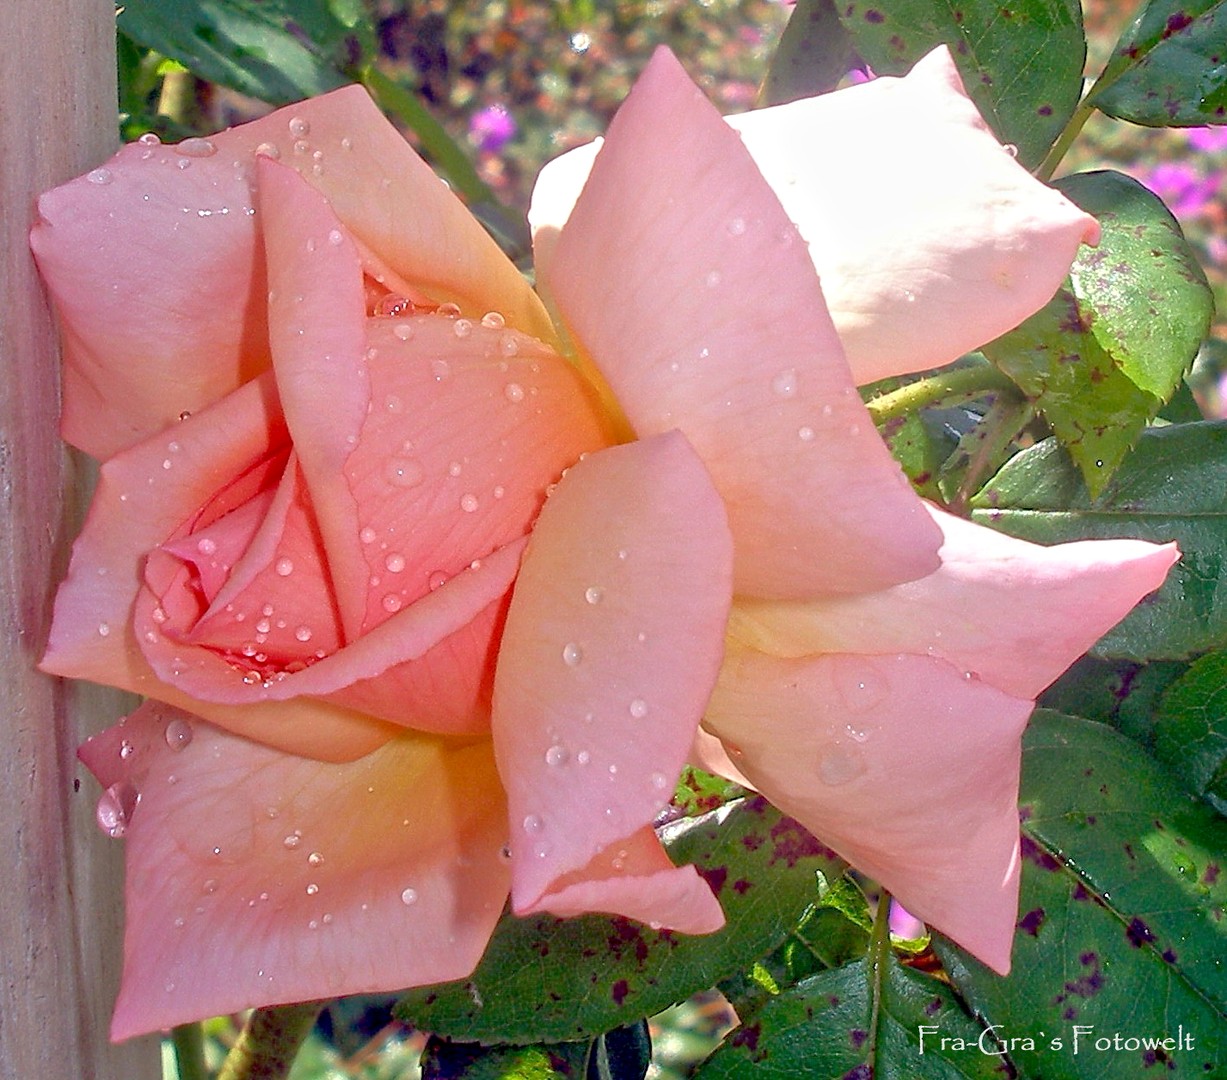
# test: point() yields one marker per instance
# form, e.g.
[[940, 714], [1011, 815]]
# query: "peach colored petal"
[[929, 238], [317, 331], [145, 496], [1060, 600], [680, 276], [901, 764], [611, 648], [636, 879], [468, 427], [169, 236], [255, 877]]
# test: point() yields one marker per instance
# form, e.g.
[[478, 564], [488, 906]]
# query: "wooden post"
[[60, 880]]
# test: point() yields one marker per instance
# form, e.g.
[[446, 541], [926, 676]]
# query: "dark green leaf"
[[1191, 729], [814, 53], [1121, 917], [854, 1019], [545, 978], [1172, 487], [622, 1054], [1021, 60], [446, 1060], [275, 50], [1102, 357], [1170, 67], [1122, 693]]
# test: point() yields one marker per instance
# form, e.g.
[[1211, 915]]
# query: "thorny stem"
[[1003, 421], [188, 1042], [945, 387], [270, 1041], [879, 962]]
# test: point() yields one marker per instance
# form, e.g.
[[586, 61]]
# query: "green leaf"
[[446, 1060], [1021, 60], [1172, 487], [857, 1021], [1191, 729], [1169, 68], [275, 50], [1122, 916], [1102, 357], [814, 53], [1122, 693], [546, 978]]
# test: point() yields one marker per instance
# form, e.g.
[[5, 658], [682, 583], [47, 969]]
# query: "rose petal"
[[141, 502], [611, 647], [1060, 599], [901, 764], [168, 235], [683, 280], [256, 878], [636, 879], [929, 238]]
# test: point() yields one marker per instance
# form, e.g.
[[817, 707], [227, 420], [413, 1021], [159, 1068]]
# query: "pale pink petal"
[[168, 235], [682, 279], [611, 648], [1015, 614], [904, 766], [317, 330], [256, 878], [146, 496], [637, 880], [929, 238]]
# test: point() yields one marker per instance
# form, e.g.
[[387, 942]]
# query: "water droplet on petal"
[[206, 546], [395, 562], [392, 603], [714, 277], [335, 237], [104, 629], [508, 345], [368, 535], [150, 138], [659, 781], [468, 502], [513, 392], [785, 383], [841, 765], [593, 594], [448, 310], [737, 226], [572, 654], [303, 633], [533, 824], [404, 472], [408, 897], [493, 320], [299, 127], [196, 147], [293, 840], [638, 708], [860, 685], [312, 889], [462, 328], [557, 756], [315, 859], [178, 734], [437, 580], [805, 434], [99, 176], [115, 807], [284, 567]]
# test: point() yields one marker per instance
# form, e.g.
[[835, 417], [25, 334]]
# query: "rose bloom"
[[430, 581]]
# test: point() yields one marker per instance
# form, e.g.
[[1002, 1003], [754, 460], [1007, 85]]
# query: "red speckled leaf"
[[549, 979], [1120, 927]]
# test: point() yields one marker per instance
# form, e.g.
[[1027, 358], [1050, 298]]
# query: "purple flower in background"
[[491, 128], [1182, 186], [1208, 139]]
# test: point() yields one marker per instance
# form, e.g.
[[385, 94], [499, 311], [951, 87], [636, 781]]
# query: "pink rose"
[[331, 414]]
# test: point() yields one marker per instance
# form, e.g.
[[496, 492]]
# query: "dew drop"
[[335, 237], [299, 127], [284, 567], [395, 563], [454, 469], [557, 756], [737, 226], [104, 629], [150, 138], [99, 176], [583, 757], [315, 859], [394, 304], [593, 594], [533, 824], [126, 749], [196, 147], [638, 708], [462, 328], [857, 735], [209, 887], [714, 277], [293, 840], [115, 806], [805, 434], [404, 472], [841, 765], [513, 392], [437, 580], [408, 897], [392, 603], [508, 345], [860, 685], [368, 535], [268, 150], [206, 546], [440, 369], [312, 889], [785, 383], [303, 633], [448, 310], [493, 320], [572, 654], [468, 502], [178, 734]]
